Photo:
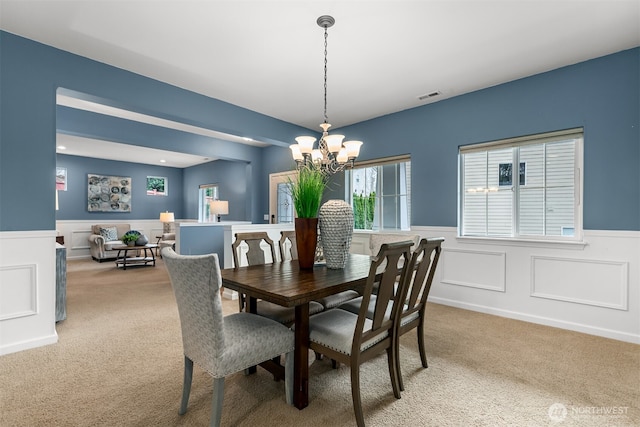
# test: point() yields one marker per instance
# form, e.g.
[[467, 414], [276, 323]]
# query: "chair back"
[[390, 254], [196, 283], [376, 240], [420, 275], [255, 255], [288, 245]]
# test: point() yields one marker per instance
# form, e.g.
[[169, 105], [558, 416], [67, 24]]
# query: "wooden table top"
[[285, 284]]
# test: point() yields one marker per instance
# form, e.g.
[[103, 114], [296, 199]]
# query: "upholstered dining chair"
[[354, 339], [256, 256], [221, 345], [422, 268]]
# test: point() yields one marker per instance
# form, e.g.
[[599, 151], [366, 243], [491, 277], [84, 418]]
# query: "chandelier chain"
[[326, 35]]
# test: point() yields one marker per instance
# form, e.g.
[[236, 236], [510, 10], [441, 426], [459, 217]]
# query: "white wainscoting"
[[582, 281], [475, 269], [76, 233], [27, 290], [592, 287], [19, 290]]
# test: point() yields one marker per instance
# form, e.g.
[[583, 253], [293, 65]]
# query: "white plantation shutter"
[[534, 198]]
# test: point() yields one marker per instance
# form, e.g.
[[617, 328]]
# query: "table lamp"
[[166, 218], [219, 207]]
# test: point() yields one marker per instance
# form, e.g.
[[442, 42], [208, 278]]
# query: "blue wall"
[[232, 180], [601, 95], [73, 202], [30, 75]]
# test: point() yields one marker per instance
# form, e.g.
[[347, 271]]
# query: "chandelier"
[[332, 154]]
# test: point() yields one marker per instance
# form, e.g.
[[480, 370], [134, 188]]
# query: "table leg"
[[301, 357], [252, 306]]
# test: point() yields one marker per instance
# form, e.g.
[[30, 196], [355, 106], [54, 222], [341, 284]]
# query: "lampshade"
[[219, 207], [166, 217]]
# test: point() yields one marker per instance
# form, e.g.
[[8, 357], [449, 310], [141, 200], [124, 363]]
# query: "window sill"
[[505, 241]]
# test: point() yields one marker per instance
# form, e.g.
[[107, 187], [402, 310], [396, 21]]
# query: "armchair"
[[103, 238]]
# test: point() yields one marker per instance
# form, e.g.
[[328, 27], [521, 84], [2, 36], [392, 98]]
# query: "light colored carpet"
[[119, 362]]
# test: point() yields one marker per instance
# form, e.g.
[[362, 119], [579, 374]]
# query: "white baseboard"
[[27, 345], [547, 321]]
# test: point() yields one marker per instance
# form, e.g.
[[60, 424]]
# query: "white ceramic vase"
[[336, 230]]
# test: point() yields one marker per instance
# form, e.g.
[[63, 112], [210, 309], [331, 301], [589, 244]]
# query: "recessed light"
[[61, 147], [163, 161], [247, 139]]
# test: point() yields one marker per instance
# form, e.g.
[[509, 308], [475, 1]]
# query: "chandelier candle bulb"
[[342, 157], [305, 143], [334, 142], [316, 156], [353, 148], [295, 152]]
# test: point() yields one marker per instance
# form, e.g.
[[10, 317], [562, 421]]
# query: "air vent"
[[429, 95]]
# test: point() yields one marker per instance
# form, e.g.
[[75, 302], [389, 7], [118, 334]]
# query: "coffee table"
[[122, 260]]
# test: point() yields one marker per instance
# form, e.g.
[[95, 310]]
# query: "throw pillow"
[[109, 234]]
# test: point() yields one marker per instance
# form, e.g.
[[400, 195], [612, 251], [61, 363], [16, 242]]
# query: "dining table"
[[286, 284]]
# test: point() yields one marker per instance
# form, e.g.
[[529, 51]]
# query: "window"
[[280, 202], [542, 201], [206, 193], [380, 193]]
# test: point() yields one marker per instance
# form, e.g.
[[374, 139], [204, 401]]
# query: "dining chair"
[[422, 268], [256, 256], [289, 251], [221, 345], [376, 240], [353, 339], [288, 245]]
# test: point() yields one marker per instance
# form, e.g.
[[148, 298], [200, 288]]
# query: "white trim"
[[541, 320]]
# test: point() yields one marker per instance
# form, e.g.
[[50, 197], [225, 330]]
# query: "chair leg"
[[288, 377], [423, 351], [216, 402], [396, 349], [393, 370], [355, 393], [335, 364], [186, 386]]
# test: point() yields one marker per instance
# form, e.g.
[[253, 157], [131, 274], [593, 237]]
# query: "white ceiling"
[[268, 56]]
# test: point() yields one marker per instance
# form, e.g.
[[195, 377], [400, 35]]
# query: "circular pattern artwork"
[[109, 193]]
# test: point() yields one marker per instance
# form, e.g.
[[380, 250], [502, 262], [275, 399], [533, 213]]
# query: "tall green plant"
[[363, 210], [306, 191]]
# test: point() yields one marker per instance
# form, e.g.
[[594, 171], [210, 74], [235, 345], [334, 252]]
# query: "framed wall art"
[[157, 186], [61, 179], [108, 193]]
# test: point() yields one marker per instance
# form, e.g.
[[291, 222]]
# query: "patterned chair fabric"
[[353, 338], [221, 345]]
